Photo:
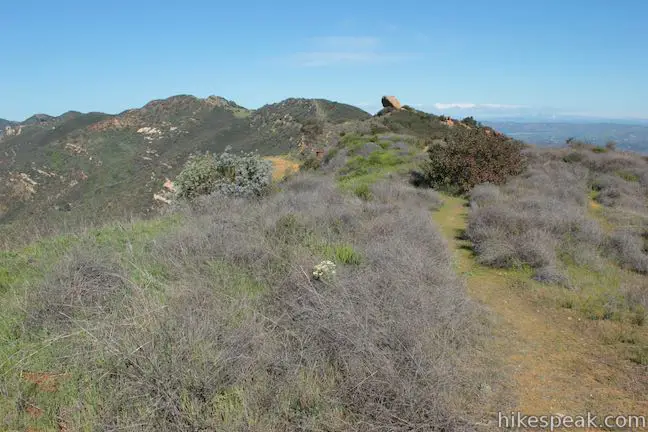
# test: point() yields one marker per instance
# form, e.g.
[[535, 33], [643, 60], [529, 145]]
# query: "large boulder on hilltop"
[[391, 102]]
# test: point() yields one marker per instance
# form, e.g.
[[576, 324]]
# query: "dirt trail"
[[558, 365]]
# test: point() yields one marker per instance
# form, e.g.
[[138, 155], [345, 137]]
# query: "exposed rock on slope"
[[10, 131]]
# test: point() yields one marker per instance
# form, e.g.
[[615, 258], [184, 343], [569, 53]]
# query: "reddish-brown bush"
[[469, 157]]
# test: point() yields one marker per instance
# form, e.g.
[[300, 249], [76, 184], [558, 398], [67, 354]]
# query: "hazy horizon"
[[479, 112]]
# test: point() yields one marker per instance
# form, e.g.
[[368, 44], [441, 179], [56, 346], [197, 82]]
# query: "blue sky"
[[487, 57]]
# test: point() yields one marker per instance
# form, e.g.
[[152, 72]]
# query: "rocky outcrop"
[[75, 148], [115, 123], [391, 102], [10, 131], [149, 131], [167, 193], [21, 186], [158, 197]]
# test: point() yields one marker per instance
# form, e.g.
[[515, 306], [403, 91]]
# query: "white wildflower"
[[324, 270]]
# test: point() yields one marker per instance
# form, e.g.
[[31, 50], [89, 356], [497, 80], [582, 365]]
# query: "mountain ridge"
[[105, 163], [98, 165]]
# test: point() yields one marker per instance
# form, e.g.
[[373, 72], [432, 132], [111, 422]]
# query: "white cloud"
[[328, 58], [443, 106], [350, 43], [336, 50], [500, 106]]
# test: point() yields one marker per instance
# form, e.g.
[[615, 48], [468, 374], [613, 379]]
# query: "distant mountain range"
[[545, 133], [98, 163], [103, 164]]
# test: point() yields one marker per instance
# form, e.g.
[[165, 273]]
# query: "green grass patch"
[[235, 280], [628, 176], [639, 355], [346, 254], [133, 237], [27, 264], [341, 253], [360, 172], [380, 159], [353, 141], [363, 192]]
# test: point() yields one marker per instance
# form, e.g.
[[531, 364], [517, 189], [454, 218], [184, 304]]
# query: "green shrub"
[[628, 176], [574, 157], [470, 121], [469, 157], [246, 174], [599, 149], [311, 163], [363, 192]]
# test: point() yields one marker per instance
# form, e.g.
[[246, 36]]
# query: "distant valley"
[[627, 136]]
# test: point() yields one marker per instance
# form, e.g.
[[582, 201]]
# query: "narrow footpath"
[[557, 366]]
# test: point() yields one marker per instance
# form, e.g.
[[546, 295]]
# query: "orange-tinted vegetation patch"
[[34, 411], [46, 382], [282, 167]]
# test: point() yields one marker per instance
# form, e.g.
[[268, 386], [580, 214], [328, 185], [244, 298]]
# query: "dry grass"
[[574, 218], [86, 285], [533, 219], [629, 249], [220, 325]]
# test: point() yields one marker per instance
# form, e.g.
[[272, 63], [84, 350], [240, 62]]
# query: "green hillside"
[[98, 164]]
